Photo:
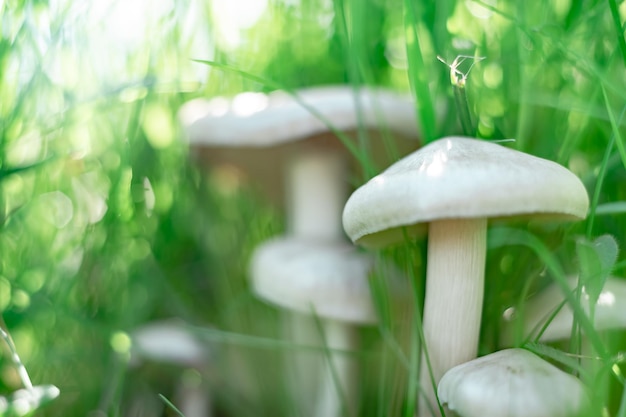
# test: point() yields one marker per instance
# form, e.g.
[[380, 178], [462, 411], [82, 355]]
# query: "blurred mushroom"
[[512, 383], [170, 342], [265, 136], [298, 135], [547, 318], [548, 309], [452, 187], [329, 280]]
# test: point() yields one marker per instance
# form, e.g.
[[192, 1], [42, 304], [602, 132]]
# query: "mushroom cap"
[[610, 312], [255, 134], [457, 177], [512, 383], [323, 278], [167, 341], [261, 120]]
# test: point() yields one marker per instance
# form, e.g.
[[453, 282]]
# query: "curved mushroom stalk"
[[455, 273]]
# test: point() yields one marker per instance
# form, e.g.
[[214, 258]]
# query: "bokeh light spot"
[[121, 343], [158, 126], [492, 75]]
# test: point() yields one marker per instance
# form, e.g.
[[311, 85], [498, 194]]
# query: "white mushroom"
[[171, 342], [453, 186], [512, 383], [541, 311], [547, 318], [310, 270], [329, 280], [264, 134]]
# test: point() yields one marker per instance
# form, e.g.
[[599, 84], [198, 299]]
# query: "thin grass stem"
[[619, 29], [418, 74], [21, 369]]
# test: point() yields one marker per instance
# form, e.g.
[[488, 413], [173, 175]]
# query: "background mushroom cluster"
[[173, 176]]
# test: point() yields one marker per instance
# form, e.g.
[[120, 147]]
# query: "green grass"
[[95, 126]]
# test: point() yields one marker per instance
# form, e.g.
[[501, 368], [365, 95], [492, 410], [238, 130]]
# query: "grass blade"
[[618, 28], [418, 75], [615, 127], [508, 236], [170, 405]]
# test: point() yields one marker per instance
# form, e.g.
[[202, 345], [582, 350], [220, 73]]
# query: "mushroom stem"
[[453, 302], [339, 378], [317, 191]]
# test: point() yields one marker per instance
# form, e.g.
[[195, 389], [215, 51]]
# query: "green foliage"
[[597, 260], [107, 224]]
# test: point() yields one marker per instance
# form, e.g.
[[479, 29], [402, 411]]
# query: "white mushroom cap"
[[328, 279], [167, 341], [511, 383], [458, 177], [259, 120], [610, 312], [272, 138], [453, 185]]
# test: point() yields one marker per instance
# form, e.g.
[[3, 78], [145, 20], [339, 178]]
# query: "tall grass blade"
[[621, 147], [171, 405], [619, 28], [418, 72]]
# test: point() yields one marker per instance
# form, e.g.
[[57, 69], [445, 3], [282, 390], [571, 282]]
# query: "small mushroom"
[[310, 270], [171, 342], [541, 310], [548, 313], [452, 187], [329, 280], [512, 383]]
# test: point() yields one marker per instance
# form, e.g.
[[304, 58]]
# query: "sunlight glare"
[[509, 314], [478, 10], [126, 24], [606, 299], [59, 209], [233, 16], [246, 104], [437, 165]]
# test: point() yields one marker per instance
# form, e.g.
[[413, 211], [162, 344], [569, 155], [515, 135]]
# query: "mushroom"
[[310, 270], [541, 310], [261, 135], [512, 383], [547, 318], [171, 342], [452, 187], [329, 280]]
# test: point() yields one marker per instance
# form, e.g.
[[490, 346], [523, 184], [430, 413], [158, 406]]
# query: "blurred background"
[[106, 224]]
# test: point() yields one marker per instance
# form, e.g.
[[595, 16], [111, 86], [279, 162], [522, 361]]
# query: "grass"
[[151, 235]]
